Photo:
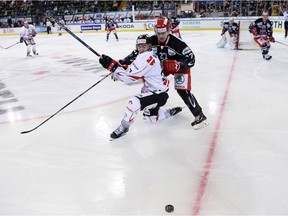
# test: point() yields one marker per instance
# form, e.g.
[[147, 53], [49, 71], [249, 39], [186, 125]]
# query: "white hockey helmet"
[[231, 20]]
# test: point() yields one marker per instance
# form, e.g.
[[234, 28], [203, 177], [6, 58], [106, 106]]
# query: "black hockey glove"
[[108, 63], [130, 58], [21, 40]]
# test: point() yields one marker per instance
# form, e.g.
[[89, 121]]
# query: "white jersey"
[[145, 67], [60, 23], [285, 14], [48, 23], [27, 33]]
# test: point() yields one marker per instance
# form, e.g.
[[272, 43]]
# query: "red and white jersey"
[[27, 33], [176, 32], [174, 26], [145, 67]]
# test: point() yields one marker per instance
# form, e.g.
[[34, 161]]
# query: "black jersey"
[[262, 28], [110, 24], [173, 49], [232, 29], [130, 58]]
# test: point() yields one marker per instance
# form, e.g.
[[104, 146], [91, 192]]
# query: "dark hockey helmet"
[[143, 39], [162, 25]]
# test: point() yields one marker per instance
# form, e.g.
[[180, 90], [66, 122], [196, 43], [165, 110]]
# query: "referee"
[[285, 14]]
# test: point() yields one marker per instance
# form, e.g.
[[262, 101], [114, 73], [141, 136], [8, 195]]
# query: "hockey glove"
[[108, 63], [272, 39], [21, 40], [170, 67]]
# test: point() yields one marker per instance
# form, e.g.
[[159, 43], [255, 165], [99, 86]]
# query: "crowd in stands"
[[238, 8], [40, 10]]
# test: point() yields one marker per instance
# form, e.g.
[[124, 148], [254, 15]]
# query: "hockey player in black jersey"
[[110, 26], [229, 34], [177, 58], [262, 29]]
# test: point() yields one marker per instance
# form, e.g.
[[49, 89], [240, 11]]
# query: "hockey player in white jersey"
[[27, 34], [145, 67], [229, 34], [174, 25], [60, 23]]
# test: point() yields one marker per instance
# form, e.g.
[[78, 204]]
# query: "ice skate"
[[120, 131], [175, 110], [267, 57], [199, 122], [29, 55], [35, 53]]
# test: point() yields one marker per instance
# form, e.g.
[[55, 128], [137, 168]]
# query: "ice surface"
[[235, 166]]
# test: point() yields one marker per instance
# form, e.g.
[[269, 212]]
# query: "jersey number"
[[151, 60], [162, 56]]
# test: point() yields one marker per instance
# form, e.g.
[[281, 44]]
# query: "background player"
[[60, 24], [177, 59], [285, 14], [174, 25], [111, 26], [262, 30], [145, 67], [27, 34], [229, 34]]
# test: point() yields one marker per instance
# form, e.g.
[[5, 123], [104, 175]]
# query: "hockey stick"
[[281, 43], [12, 45], [77, 38], [28, 131]]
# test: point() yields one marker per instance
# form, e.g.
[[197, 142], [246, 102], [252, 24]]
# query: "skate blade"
[[111, 139], [200, 125]]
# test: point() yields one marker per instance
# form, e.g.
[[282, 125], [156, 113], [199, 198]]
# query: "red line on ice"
[[210, 156]]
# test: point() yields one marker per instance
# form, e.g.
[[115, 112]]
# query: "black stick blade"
[[24, 132]]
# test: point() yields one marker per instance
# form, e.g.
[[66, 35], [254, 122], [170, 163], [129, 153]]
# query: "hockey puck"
[[169, 208]]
